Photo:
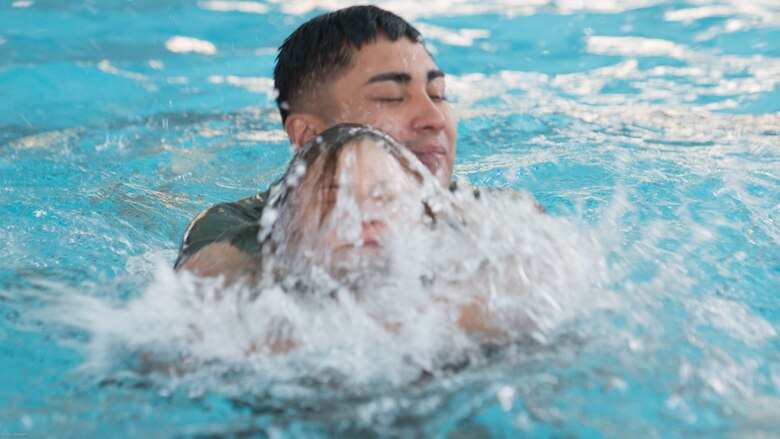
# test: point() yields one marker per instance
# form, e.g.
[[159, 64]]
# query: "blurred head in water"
[[344, 198], [368, 66]]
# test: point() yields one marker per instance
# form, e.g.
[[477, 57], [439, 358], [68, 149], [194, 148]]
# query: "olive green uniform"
[[237, 223]]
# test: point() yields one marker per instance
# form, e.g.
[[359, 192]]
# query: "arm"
[[223, 240], [221, 258]]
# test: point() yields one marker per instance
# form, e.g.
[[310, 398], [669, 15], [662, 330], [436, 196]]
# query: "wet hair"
[[321, 49], [321, 154]]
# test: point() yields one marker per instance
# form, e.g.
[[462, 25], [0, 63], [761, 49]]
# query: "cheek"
[[354, 110], [452, 123], [452, 133], [306, 222], [337, 228], [391, 122], [386, 119]]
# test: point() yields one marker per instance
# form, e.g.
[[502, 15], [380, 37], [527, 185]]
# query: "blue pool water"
[[648, 129]]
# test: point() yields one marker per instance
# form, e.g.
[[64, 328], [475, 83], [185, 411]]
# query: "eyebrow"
[[402, 77], [433, 74]]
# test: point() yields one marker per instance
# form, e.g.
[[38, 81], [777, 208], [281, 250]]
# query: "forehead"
[[384, 55], [368, 161], [360, 164]]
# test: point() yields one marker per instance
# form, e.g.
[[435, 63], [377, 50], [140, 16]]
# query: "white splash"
[[106, 66], [270, 136], [530, 272], [58, 139], [733, 318], [692, 14], [662, 96], [179, 44], [410, 9], [459, 37], [234, 6], [635, 46], [248, 83], [155, 64]]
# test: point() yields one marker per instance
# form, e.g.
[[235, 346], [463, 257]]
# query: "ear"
[[301, 127]]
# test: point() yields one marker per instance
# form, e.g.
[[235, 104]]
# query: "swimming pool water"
[[652, 126]]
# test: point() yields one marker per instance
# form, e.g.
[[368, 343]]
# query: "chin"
[[359, 265]]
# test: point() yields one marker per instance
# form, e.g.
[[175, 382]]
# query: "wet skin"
[[351, 218], [394, 86]]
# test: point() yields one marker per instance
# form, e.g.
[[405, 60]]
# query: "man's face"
[[396, 87]]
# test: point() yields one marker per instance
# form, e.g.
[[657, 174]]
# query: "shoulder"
[[221, 259], [221, 223], [220, 218]]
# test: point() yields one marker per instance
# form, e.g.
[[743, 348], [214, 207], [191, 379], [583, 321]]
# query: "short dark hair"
[[322, 48]]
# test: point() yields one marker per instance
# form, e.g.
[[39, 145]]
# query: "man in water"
[[358, 65], [342, 204]]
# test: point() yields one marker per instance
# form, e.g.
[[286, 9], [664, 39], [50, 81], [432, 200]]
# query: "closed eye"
[[390, 99], [385, 198]]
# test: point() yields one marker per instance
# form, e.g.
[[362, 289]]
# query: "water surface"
[[648, 130]]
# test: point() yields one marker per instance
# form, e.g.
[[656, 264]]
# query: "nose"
[[371, 229], [427, 115]]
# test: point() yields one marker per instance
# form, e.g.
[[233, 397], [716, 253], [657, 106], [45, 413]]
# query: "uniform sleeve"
[[236, 223]]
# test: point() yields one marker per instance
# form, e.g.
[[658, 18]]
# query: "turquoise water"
[[650, 128]]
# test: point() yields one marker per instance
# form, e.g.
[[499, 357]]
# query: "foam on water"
[[648, 130], [557, 291], [531, 271]]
